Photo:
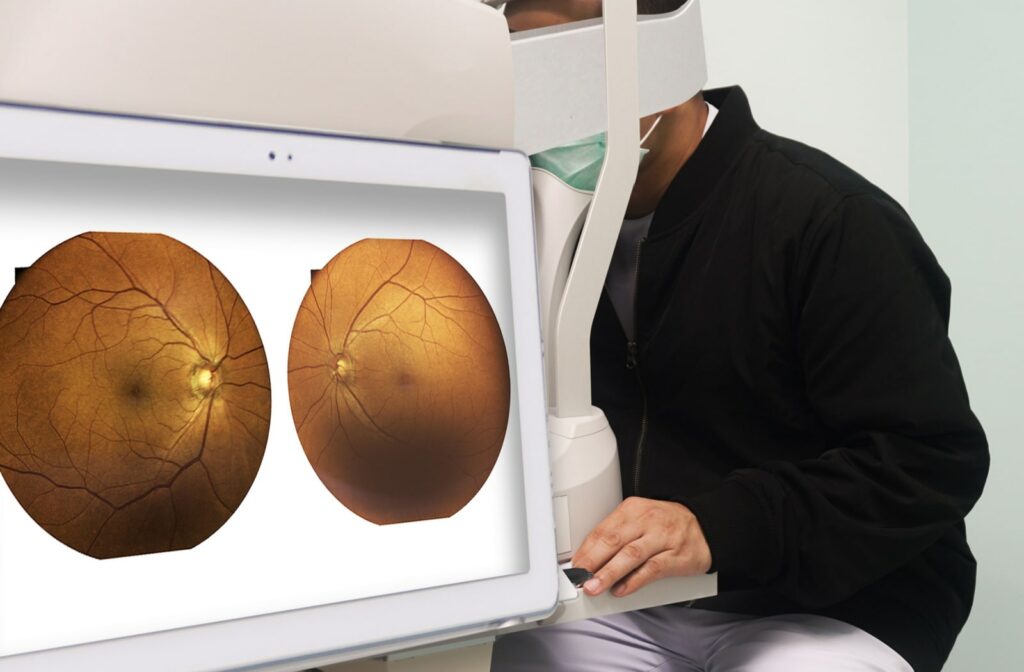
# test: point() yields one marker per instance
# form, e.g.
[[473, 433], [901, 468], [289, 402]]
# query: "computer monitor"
[[266, 397]]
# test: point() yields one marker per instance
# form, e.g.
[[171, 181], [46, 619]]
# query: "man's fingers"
[[654, 568], [629, 558], [604, 542], [641, 541]]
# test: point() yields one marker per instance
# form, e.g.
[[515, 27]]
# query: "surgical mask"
[[579, 163]]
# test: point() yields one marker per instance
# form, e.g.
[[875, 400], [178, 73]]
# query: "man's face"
[[530, 14]]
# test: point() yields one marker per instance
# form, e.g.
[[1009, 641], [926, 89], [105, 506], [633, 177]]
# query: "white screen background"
[[265, 235]]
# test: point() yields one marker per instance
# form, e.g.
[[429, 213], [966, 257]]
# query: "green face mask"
[[579, 163]]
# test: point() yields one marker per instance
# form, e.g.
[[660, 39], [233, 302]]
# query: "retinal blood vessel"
[[134, 395], [399, 381]]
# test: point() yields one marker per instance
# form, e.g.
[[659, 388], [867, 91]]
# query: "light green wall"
[[830, 73], [839, 80], [967, 197]]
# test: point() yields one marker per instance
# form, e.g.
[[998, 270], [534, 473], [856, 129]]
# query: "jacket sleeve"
[[870, 313]]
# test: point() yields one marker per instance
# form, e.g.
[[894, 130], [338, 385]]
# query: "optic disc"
[[344, 368], [204, 379]]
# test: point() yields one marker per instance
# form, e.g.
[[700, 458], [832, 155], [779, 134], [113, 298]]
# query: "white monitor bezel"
[[356, 629]]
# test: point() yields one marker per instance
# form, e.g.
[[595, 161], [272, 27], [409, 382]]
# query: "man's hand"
[[641, 541]]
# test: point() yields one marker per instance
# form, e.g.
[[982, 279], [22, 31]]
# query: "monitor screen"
[[224, 396]]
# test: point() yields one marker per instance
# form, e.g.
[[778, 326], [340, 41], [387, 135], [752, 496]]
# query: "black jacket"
[[792, 383]]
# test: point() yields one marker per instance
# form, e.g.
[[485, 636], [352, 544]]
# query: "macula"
[[399, 382], [134, 395]]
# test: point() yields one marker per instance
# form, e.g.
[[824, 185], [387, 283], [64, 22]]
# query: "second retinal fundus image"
[[399, 381], [134, 395]]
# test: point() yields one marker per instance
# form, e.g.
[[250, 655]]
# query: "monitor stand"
[[462, 656], [473, 654]]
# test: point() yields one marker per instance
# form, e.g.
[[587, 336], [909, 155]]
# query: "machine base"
[[585, 478]]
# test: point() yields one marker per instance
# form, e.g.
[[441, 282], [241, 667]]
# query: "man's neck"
[[672, 144]]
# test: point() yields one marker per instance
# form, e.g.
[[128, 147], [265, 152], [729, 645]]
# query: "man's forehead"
[[528, 14]]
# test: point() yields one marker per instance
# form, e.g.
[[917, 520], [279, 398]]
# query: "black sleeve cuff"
[[738, 529]]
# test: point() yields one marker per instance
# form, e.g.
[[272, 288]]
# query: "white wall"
[[967, 148], [830, 73]]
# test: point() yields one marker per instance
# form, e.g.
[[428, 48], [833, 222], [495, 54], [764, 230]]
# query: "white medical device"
[[576, 231], [220, 86]]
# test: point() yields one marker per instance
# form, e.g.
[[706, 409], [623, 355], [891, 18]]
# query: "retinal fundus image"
[[134, 395], [399, 381]]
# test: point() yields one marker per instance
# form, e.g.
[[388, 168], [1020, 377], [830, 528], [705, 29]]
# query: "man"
[[771, 351]]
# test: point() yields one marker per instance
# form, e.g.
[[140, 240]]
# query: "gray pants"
[[677, 639]]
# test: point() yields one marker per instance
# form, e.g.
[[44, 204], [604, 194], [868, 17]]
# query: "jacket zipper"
[[633, 363]]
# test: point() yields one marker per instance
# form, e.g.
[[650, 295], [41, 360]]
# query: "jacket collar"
[[717, 152]]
